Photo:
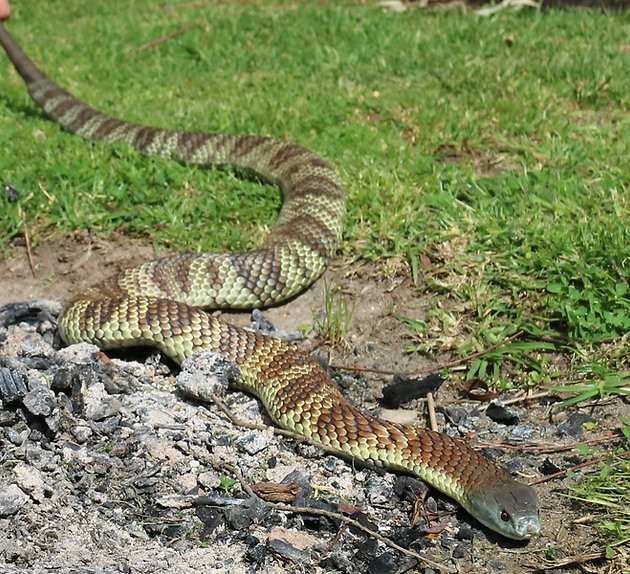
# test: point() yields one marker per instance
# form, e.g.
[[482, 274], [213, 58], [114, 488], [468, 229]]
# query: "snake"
[[164, 303]]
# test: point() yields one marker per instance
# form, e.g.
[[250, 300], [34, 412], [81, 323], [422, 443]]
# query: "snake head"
[[509, 507]]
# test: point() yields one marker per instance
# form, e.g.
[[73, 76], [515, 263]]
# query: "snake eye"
[[505, 516]]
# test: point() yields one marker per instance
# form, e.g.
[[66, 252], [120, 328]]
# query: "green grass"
[[607, 491], [494, 150]]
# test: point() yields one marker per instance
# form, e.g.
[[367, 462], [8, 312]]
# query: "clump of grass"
[[333, 325], [608, 491], [600, 382]]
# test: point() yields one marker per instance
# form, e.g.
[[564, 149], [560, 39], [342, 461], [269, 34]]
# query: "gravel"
[[119, 463]]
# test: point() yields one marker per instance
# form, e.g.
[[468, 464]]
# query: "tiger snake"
[[161, 303]]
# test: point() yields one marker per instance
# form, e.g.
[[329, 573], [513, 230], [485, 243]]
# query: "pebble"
[[212, 518], [41, 459], [287, 551], [501, 414], [208, 480], [31, 480], [243, 516], [385, 563], [98, 404], [380, 489], [12, 385], [456, 414], [255, 442], [40, 401], [574, 427], [12, 499], [261, 324], [408, 487]]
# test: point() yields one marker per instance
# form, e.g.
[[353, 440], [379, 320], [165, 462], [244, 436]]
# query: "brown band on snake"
[[157, 304]]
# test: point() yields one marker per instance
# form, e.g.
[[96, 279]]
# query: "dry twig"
[[337, 516]]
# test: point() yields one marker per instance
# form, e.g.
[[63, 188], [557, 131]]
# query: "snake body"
[[160, 304]]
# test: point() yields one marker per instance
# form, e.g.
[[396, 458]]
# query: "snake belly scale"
[[160, 303]]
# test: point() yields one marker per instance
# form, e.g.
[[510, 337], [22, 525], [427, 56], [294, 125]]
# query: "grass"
[[488, 156], [334, 323], [607, 492]]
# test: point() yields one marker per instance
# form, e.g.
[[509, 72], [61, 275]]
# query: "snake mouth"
[[527, 526]]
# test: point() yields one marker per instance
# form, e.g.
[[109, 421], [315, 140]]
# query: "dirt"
[[97, 528]]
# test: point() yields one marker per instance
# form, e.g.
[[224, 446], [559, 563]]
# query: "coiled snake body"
[[159, 303]]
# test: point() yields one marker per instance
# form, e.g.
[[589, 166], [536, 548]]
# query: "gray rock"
[[40, 401], [287, 551], [98, 404], [209, 480], [575, 425], [205, 373], [40, 458], [12, 386], [12, 499], [33, 312], [78, 354], [261, 324], [31, 480], [243, 516], [379, 489], [253, 443], [383, 564]]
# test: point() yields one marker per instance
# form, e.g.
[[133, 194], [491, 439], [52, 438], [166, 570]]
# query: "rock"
[[297, 539], [254, 443], [384, 563], [261, 324], [12, 499], [41, 459], [81, 433], [575, 425], [31, 480], [243, 516], [456, 414], [78, 354], [40, 401], [287, 551], [501, 414], [211, 518], [208, 480], [459, 551], [522, 432], [32, 312], [97, 403], [206, 373], [408, 487], [12, 386], [466, 532], [380, 489]]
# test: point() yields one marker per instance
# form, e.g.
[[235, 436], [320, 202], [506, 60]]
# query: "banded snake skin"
[[160, 304]]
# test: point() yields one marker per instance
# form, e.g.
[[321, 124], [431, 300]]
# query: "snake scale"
[[160, 303]]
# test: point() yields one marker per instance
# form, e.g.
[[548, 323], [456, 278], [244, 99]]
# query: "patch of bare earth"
[[138, 486]]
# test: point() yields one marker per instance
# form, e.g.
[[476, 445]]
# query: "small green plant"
[[333, 326], [226, 485], [109, 446]]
